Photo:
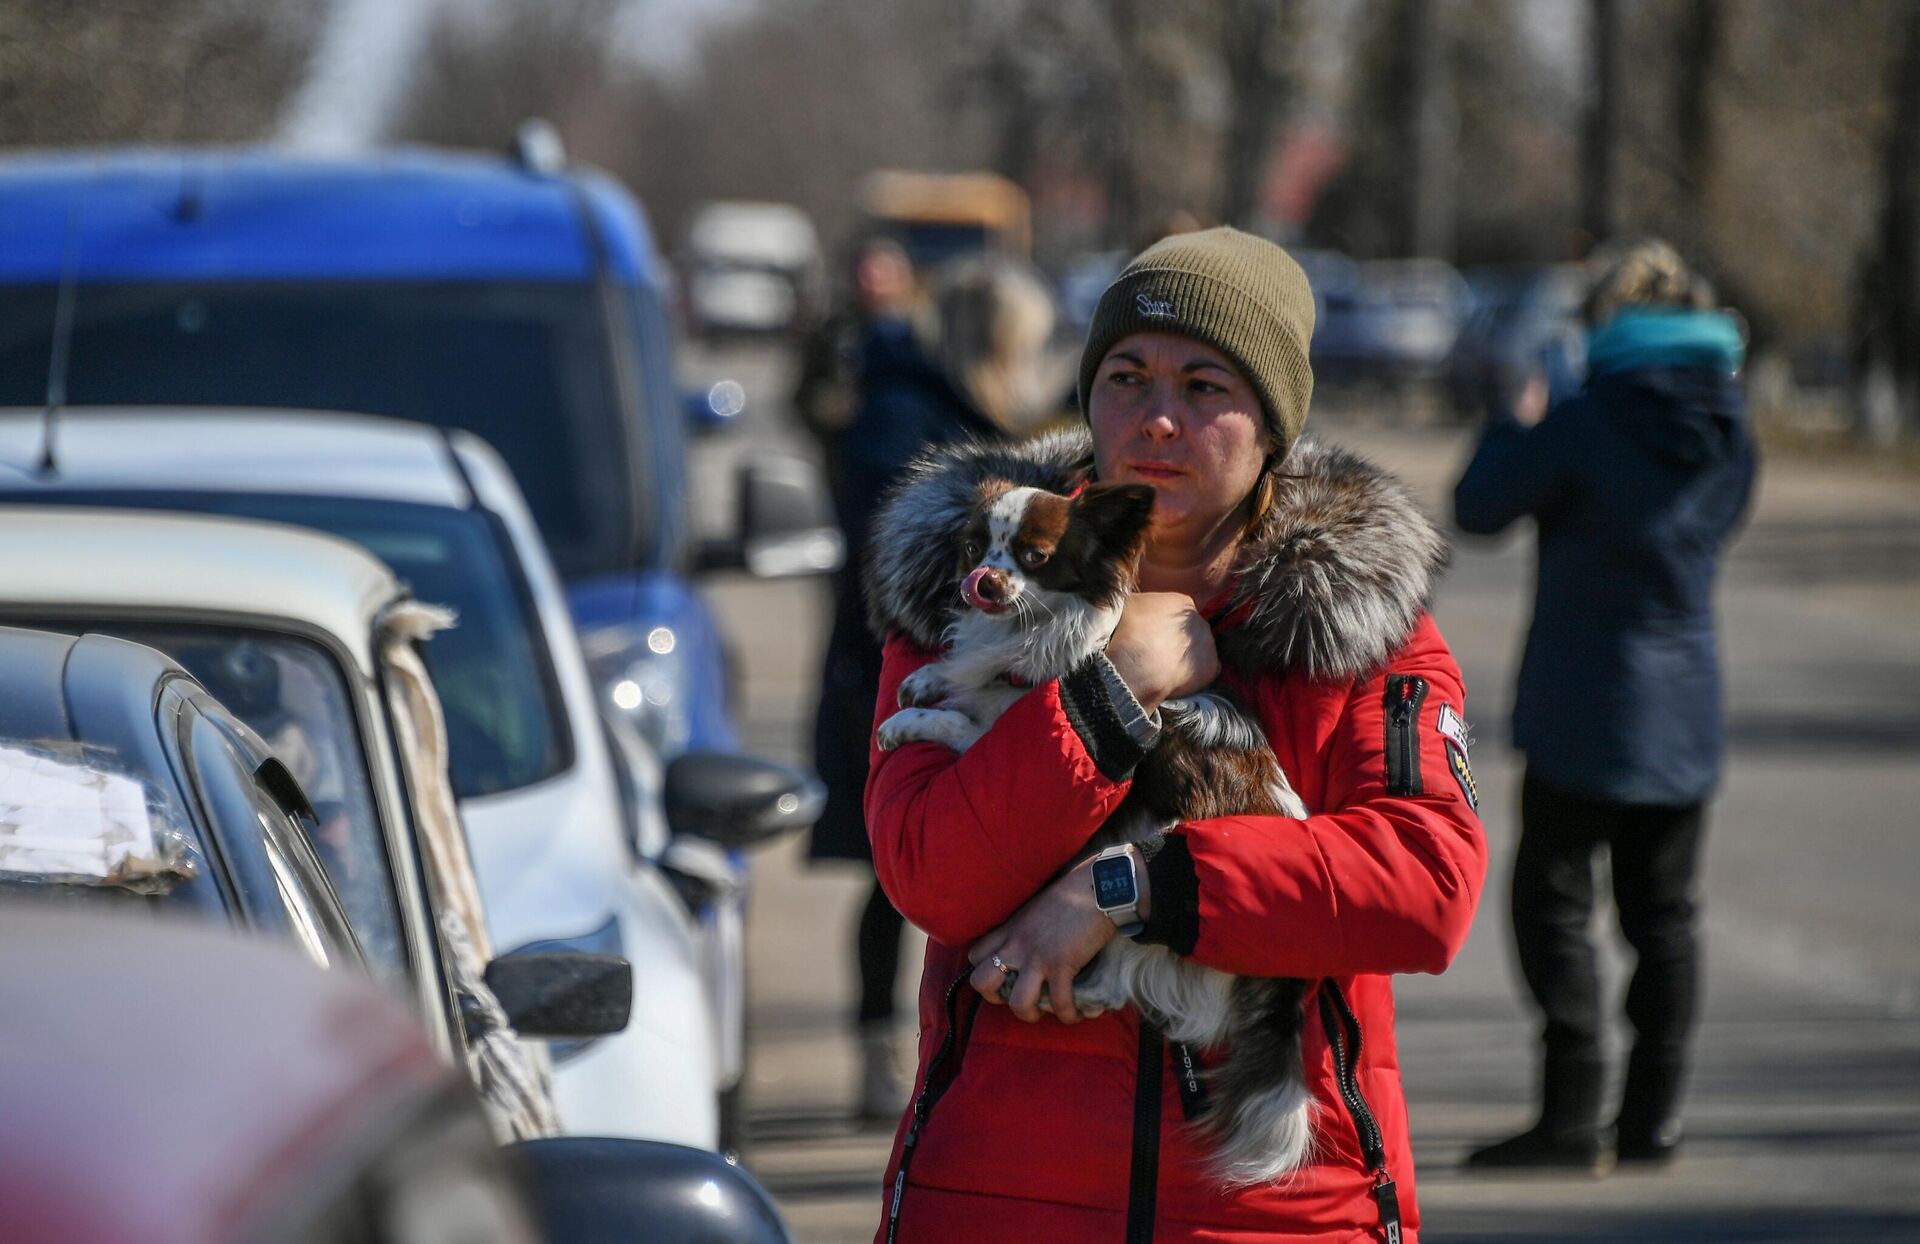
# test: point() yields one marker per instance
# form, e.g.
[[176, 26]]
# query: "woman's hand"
[[1163, 648], [1047, 942]]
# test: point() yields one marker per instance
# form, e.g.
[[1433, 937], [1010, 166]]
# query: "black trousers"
[[1654, 853]]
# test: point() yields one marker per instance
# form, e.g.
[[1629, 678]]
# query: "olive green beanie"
[[1238, 293]]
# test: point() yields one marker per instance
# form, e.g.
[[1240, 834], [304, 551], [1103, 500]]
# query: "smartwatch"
[[1116, 888]]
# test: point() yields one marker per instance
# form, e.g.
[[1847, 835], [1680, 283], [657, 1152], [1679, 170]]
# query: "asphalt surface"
[[1804, 1113]]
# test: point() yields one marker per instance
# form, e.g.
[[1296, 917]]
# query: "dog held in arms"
[[1044, 577]]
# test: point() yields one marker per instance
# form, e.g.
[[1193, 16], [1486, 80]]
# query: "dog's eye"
[[971, 550], [1033, 559]]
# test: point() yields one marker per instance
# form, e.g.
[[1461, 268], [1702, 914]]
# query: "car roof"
[[144, 562], [171, 1083], [208, 214], [255, 451]]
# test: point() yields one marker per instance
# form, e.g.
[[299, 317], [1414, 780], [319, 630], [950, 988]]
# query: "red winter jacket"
[[1029, 1129]]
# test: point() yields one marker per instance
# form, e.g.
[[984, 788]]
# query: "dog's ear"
[[1116, 516]]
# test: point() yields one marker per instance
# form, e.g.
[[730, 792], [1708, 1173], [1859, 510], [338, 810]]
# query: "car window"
[[280, 887], [506, 723], [292, 693], [525, 365]]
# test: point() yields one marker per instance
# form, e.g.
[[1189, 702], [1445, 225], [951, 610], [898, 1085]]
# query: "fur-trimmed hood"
[[1329, 584]]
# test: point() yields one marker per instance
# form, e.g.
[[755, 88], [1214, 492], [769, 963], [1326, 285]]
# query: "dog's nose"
[[987, 589]]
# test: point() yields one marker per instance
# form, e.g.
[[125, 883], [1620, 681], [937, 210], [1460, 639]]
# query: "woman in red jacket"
[[1299, 576]]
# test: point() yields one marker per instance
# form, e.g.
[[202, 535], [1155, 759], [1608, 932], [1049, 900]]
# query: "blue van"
[[515, 297]]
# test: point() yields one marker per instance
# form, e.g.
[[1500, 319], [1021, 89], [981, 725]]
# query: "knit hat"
[[1238, 293]]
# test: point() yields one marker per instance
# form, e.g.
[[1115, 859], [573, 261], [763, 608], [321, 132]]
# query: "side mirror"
[[563, 993], [715, 409], [597, 1190], [739, 801], [786, 524]]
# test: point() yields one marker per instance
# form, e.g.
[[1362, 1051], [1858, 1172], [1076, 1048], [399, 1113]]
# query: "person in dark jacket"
[[965, 366], [1635, 484]]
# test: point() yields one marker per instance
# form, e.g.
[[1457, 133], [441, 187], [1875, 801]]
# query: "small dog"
[[1046, 577]]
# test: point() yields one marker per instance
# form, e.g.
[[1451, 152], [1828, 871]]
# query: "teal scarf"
[[1646, 338]]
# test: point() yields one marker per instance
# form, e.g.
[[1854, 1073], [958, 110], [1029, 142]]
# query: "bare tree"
[[165, 71], [1890, 327], [1256, 36], [1601, 136]]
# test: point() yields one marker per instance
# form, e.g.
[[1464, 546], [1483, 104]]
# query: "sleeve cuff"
[[1116, 730], [1174, 888]]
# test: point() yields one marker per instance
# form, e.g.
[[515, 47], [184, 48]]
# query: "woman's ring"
[[1005, 970]]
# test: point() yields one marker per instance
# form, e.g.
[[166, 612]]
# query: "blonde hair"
[[1642, 272], [986, 323]]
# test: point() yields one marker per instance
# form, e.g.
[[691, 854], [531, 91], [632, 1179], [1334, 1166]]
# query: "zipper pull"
[[1388, 1198], [1403, 711]]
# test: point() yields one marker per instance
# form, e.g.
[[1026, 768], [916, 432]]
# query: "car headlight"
[[647, 681]]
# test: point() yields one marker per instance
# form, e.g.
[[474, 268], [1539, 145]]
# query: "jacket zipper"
[[930, 1092], [1344, 1040], [1405, 694]]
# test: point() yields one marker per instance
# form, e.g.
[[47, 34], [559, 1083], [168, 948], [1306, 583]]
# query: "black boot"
[[1568, 1136], [1649, 1124]]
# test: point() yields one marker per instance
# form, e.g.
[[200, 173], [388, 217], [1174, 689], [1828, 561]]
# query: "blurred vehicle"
[[315, 645], [171, 1086], [749, 267], [563, 816], [1082, 283], [1387, 322], [941, 216], [127, 787], [1517, 311], [520, 299]]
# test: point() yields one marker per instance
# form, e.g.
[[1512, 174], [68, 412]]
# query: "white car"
[[564, 831], [313, 644]]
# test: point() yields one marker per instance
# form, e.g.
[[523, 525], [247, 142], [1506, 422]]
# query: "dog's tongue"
[[970, 588]]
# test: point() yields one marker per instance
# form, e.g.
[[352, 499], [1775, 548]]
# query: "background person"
[[1311, 572], [881, 287], [1635, 486], [966, 365]]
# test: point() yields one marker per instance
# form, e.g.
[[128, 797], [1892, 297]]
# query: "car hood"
[[550, 857]]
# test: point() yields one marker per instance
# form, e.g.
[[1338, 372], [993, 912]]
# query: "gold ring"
[[1000, 963]]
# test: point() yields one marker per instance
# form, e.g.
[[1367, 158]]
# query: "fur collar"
[[1329, 585]]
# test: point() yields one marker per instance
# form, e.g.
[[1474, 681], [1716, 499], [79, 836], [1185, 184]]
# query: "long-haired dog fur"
[[1044, 577]]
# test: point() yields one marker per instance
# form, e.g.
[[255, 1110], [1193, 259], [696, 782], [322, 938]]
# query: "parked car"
[[1388, 322], [315, 644], [749, 267], [174, 1086], [1517, 311], [564, 818], [519, 299], [127, 787]]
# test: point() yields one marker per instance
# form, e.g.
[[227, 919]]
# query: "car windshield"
[[294, 696], [506, 724], [526, 365]]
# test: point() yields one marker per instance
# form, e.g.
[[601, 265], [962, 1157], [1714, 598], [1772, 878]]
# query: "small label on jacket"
[[1453, 729]]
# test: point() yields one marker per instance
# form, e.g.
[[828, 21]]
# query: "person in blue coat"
[[967, 364], [1635, 484]]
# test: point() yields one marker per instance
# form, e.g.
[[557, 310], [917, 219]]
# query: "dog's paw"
[[1096, 988], [927, 725], [923, 688]]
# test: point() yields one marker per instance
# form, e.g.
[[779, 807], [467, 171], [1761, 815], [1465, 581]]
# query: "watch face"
[[1113, 882]]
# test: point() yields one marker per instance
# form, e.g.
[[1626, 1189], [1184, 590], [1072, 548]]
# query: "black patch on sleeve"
[[1173, 892], [1090, 708], [1404, 696]]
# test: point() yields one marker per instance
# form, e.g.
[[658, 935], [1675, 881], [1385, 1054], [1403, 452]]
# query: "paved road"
[[1805, 1111]]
